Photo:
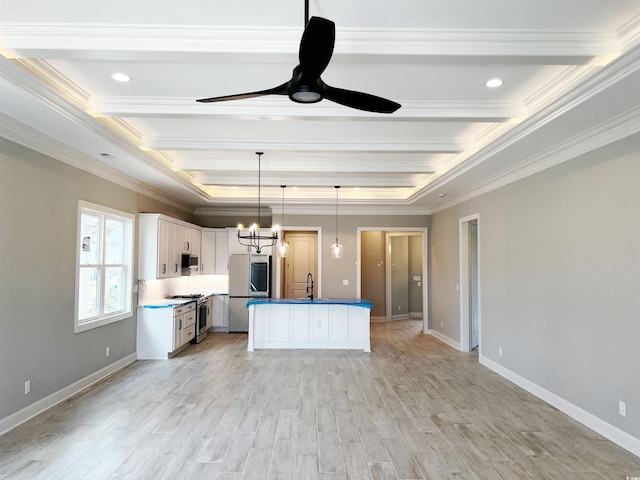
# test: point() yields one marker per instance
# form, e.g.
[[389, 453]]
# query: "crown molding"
[[604, 79], [29, 137], [604, 134], [629, 33]]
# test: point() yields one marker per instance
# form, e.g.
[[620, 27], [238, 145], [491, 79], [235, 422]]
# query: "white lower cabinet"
[[164, 331], [184, 324], [306, 326]]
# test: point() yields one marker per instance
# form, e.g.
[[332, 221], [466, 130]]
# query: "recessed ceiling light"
[[494, 83], [121, 77]]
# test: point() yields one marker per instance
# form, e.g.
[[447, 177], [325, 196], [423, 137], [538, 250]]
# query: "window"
[[104, 271]]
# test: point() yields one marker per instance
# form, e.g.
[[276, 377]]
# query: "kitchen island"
[[329, 323]]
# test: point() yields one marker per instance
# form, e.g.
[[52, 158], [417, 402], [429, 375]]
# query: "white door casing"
[[465, 284]]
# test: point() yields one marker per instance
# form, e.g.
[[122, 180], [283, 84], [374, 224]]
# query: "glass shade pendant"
[[283, 248], [336, 248]]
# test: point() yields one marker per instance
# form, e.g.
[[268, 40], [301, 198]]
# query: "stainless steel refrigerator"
[[249, 277]]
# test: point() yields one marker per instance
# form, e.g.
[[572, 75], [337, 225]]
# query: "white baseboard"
[[49, 401], [617, 436], [445, 339]]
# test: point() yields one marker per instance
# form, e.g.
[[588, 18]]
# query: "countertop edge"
[[352, 302]]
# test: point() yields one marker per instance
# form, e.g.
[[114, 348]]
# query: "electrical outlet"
[[107, 352], [345, 282], [500, 351], [27, 387], [622, 409]]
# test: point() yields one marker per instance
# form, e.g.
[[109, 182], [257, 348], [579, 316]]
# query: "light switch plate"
[[345, 282]]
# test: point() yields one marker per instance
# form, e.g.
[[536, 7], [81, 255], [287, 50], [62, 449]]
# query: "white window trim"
[[129, 274]]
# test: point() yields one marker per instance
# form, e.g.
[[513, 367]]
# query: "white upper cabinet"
[[190, 241], [215, 251], [162, 241]]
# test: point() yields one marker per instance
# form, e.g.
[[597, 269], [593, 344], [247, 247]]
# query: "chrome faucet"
[[310, 285]]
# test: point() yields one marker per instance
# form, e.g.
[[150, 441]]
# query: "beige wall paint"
[[373, 271], [559, 279], [38, 204], [334, 271]]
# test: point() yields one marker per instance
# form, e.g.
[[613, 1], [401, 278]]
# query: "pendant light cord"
[[283, 187], [259, 162], [337, 187]]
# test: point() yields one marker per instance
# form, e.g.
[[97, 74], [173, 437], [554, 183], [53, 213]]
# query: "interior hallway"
[[413, 408]]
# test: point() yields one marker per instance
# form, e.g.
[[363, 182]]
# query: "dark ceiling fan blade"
[[279, 90], [359, 100], [316, 46]]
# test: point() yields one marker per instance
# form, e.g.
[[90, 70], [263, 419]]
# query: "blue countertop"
[[168, 303], [354, 302], [173, 302]]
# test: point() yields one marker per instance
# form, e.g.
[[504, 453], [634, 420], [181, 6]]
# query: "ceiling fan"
[[306, 86]]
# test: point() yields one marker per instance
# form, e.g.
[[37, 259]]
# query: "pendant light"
[[251, 237], [336, 248], [283, 248]]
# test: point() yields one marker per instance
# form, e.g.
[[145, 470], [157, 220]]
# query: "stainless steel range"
[[203, 314]]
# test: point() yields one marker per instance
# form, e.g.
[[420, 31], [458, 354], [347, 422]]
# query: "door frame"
[[278, 263], [425, 263], [465, 291]]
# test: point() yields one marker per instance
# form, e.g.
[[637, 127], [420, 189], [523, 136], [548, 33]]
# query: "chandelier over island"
[[252, 237]]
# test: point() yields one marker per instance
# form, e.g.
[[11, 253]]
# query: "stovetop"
[[191, 295]]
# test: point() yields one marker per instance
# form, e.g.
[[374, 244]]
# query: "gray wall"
[[559, 279], [38, 204]]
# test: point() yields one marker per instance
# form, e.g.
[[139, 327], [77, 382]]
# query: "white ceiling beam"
[[283, 109], [404, 145], [358, 179], [136, 42]]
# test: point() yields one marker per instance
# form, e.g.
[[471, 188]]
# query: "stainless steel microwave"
[[190, 264]]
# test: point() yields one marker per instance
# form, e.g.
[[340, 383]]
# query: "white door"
[[301, 261]]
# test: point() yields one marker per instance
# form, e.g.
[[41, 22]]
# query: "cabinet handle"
[[164, 268], [176, 267], [180, 324], [188, 246]]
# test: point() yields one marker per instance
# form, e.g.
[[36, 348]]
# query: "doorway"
[[470, 283], [302, 260], [391, 274]]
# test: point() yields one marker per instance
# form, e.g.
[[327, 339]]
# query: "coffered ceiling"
[[569, 72]]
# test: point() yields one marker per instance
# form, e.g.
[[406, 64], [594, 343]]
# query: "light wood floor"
[[414, 408]]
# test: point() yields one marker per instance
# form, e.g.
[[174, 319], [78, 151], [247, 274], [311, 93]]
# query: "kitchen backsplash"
[[153, 290]]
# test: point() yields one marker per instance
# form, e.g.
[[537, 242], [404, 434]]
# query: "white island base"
[[309, 324]]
